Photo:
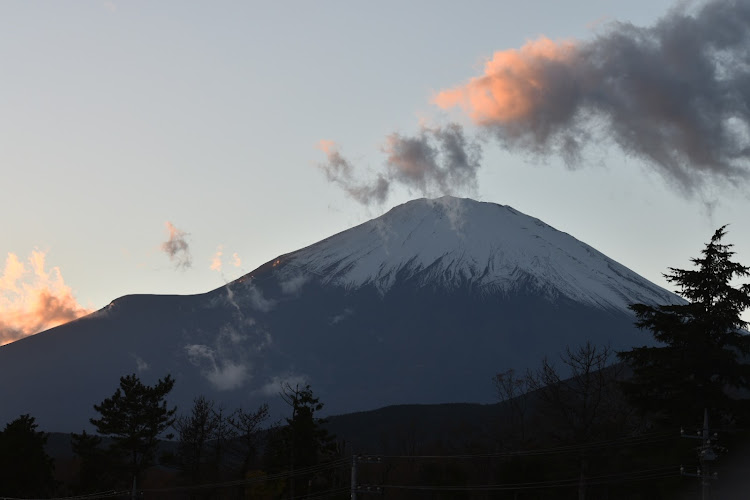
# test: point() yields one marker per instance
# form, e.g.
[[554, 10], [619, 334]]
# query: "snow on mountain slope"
[[451, 242], [422, 305]]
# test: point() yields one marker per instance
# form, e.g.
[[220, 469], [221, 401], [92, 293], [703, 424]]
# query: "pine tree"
[[308, 439], [302, 442], [97, 468], [702, 360], [134, 417], [25, 468]]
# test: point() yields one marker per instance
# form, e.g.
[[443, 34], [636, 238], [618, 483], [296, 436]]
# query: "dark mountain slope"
[[422, 305]]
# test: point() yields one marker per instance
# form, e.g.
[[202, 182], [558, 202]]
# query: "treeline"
[[589, 423], [216, 453]]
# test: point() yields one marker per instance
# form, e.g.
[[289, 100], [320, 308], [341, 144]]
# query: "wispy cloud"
[[176, 247], [276, 385], [347, 312], [674, 95], [33, 299], [293, 283], [216, 259], [256, 298], [140, 364], [435, 161], [224, 374], [340, 171], [438, 160], [227, 359]]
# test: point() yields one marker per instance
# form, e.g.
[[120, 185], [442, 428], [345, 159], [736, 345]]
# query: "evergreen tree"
[[134, 417], [308, 440], [303, 442], [97, 469], [25, 468], [701, 361]]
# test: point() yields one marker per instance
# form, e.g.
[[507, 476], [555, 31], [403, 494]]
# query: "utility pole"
[[354, 477], [706, 455]]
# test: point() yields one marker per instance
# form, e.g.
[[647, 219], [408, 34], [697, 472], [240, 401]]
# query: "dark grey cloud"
[[340, 171], [436, 161], [676, 95]]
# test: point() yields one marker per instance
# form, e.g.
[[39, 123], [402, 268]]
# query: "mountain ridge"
[[429, 253], [415, 307]]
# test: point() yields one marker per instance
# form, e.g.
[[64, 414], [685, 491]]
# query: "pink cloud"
[[216, 259], [33, 299], [514, 84]]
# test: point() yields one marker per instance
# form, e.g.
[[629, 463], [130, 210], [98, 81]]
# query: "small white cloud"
[[222, 373], [140, 364], [293, 284], [341, 317], [257, 300], [232, 334], [276, 384], [216, 259], [455, 210], [176, 247], [229, 376]]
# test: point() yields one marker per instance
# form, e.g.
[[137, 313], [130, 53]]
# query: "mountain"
[[421, 305]]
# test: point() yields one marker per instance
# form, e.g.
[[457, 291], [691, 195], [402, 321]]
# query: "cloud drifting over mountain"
[[436, 161], [676, 95], [342, 172], [33, 299]]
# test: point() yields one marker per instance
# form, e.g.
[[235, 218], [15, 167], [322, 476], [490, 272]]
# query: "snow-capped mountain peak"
[[451, 242]]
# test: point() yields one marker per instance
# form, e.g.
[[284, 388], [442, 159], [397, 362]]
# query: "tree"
[[584, 399], [247, 425], [25, 468], [514, 390], [309, 440], [96, 470], [703, 349], [195, 431], [134, 417], [585, 395], [302, 442]]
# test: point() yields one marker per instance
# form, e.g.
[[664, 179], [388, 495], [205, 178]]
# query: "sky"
[[170, 147]]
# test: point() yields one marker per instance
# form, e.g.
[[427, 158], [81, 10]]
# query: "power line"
[[623, 477], [604, 479], [633, 441], [257, 479], [88, 496], [323, 494]]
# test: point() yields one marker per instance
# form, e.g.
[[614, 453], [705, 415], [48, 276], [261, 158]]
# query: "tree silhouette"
[[302, 442], [704, 350], [247, 426], [195, 432], [25, 468], [134, 417]]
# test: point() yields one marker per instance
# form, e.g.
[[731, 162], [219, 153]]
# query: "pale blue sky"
[[117, 116]]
